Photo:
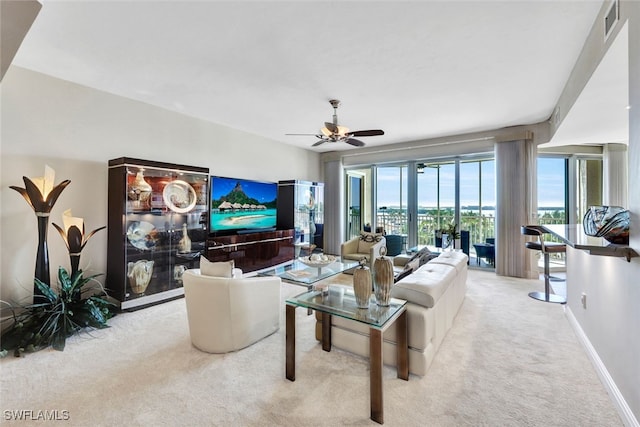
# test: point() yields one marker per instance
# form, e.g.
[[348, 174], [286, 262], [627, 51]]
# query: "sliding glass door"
[[417, 200], [358, 204], [458, 192], [436, 184], [478, 200], [392, 199]]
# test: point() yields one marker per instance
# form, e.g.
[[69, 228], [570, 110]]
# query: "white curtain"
[[614, 174], [333, 207], [516, 205]]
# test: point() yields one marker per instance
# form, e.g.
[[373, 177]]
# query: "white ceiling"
[[600, 114], [418, 70]]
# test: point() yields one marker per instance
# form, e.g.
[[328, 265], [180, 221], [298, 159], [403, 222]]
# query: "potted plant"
[[56, 316], [453, 234]]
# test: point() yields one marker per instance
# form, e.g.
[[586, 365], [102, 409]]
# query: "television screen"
[[241, 204]]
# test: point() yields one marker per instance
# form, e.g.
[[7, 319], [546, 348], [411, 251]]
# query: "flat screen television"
[[241, 205]]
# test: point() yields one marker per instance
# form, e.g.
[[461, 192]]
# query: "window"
[[417, 199], [552, 190], [392, 199]]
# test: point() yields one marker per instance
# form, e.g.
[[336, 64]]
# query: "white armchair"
[[228, 314], [367, 245]]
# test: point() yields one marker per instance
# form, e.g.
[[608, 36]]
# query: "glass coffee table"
[[302, 274], [340, 301]]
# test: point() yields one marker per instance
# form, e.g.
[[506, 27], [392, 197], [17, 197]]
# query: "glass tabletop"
[[300, 273], [338, 300]]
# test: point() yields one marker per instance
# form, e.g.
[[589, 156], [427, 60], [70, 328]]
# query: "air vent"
[[611, 18]]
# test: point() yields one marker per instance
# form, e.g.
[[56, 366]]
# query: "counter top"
[[574, 236]]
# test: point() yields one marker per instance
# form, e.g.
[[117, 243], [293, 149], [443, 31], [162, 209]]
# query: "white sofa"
[[435, 292], [230, 313]]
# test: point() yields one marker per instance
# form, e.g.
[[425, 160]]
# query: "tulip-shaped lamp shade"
[[41, 195], [74, 237]]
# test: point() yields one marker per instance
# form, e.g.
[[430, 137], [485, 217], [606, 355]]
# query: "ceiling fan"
[[332, 132]]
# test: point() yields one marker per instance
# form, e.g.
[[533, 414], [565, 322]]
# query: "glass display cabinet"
[[301, 207], [157, 228]]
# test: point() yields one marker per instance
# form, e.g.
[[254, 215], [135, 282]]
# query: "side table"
[[378, 319]]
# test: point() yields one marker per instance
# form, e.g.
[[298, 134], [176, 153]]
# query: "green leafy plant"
[[452, 231], [59, 315]]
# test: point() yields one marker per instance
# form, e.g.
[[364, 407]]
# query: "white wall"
[[610, 322], [77, 130]]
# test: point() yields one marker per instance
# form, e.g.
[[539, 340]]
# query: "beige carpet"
[[508, 361]]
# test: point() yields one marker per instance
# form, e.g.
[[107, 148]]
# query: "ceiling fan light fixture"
[[342, 131], [332, 132]]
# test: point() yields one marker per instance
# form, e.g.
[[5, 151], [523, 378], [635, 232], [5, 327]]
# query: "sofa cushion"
[[355, 257], [426, 285], [217, 269], [367, 240], [455, 259]]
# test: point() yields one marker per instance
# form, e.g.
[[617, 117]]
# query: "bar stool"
[[546, 249]]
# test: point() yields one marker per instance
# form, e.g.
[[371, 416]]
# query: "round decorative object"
[[362, 286], [141, 235], [179, 196], [317, 260], [382, 278], [608, 222]]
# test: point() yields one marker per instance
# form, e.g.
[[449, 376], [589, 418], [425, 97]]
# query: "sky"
[[261, 191], [550, 184]]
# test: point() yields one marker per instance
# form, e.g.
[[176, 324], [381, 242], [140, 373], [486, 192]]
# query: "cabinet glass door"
[[161, 207], [309, 211]]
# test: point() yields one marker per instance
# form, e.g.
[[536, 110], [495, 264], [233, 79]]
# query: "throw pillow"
[[423, 256], [217, 269], [428, 257], [405, 273], [367, 240], [422, 252], [412, 265]]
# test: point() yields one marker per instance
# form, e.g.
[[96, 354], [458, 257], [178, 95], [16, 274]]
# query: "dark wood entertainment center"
[[253, 251], [160, 224]]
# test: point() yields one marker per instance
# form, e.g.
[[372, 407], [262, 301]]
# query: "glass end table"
[[300, 274], [340, 301]]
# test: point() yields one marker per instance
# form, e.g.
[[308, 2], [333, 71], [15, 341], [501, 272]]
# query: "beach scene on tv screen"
[[242, 204]]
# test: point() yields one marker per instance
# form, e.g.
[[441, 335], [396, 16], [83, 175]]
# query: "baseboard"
[[618, 400]]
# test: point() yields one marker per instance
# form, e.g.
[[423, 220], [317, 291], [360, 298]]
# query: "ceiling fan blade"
[[302, 134], [333, 128], [322, 141], [371, 132], [354, 142]]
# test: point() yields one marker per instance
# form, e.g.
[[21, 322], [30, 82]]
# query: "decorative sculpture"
[[139, 273], [74, 237], [382, 278], [41, 195], [608, 222], [362, 284]]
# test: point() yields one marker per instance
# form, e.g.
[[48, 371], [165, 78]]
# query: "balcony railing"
[[480, 227]]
